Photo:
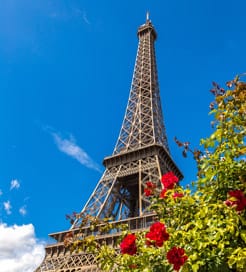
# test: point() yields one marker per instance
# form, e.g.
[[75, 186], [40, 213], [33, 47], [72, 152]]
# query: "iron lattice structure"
[[141, 154]]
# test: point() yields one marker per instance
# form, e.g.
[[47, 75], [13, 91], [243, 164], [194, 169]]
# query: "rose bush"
[[203, 229]]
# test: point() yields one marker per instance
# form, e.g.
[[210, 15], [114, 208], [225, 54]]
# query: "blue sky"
[[65, 74]]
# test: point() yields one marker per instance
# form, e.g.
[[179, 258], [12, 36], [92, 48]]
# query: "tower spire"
[[147, 16], [143, 123]]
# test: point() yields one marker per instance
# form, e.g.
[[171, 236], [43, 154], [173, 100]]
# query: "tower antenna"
[[147, 16]]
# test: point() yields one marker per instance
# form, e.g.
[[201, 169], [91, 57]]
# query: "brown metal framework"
[[141, 154]]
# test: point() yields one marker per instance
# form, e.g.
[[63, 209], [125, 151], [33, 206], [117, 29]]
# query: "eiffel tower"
[[141, 154]]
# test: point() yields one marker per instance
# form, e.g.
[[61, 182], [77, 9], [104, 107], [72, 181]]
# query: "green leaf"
[[243, 235], [195, 267]]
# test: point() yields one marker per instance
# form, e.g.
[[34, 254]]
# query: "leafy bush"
[[203, 230]]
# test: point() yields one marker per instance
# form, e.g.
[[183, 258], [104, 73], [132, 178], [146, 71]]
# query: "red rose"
[[157, 235], [150, 187], [150, 184], [169, 180], [128, 245], [176, 194], [148, 192], [163, 193], [177, 257], [237, 199]]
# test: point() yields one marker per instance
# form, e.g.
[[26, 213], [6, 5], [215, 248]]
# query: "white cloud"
[[7, 207], [20, 251], [68, 12], [85, 18], [69, 147], [23, 210], [15, 184]]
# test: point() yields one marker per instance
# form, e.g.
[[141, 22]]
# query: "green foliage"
[[208, 224]]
